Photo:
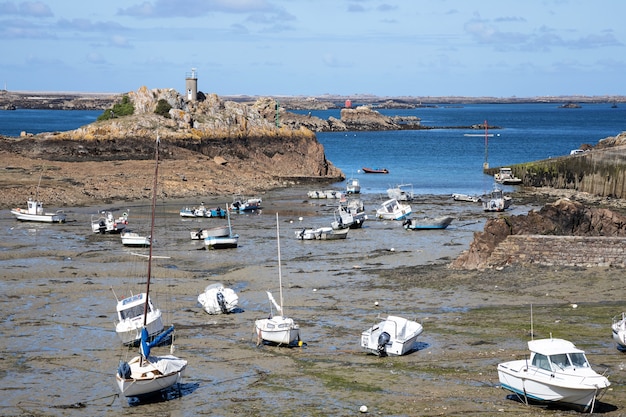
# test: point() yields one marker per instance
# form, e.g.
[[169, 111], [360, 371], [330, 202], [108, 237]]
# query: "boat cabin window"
[[560, 360], [541, 361], [132, 312], [579, 360]]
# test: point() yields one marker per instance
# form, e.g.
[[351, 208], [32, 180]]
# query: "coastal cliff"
[[209, 147]]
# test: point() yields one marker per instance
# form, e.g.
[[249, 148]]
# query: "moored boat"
[[34, 213], [557, 372], [425, 223], [401, 192], [506, 177], [217, 299], [392, 336], [353, 186], [392, 209], [134, 239], [105, 222], [497, 200], [218, 231], [375, 170], [618, 328]]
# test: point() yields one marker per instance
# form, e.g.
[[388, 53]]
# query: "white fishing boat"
[[497, 200], [105, 222], [322, 233], [34, 213], [425, 223], [393, 336], [218, 231], [353, 186], [401, 192], [557, 372], [130, 319], [134, 239], [217, 299], [351, 215], [148, 374], [228, 241], [277, 329], [619, 331], [392, 209], [505, 177], [188, 212]]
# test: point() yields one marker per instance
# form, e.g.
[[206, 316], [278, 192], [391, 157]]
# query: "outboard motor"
[[124, 370], [383, 339], [222, 302]]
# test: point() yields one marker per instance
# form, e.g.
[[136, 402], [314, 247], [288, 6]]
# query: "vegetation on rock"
[[123, 108]]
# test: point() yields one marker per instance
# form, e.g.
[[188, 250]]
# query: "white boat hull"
[[550, 387], [149, 378], [618, 328], [221, 242], [279, 330], [401, 336], [428, 223], [219, 231], [22, 215], [217, 300], [393, 210], [133, 239]]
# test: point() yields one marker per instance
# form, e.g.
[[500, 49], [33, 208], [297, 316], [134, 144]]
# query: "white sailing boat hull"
[[148, 379], [550, 387], [279, 330]]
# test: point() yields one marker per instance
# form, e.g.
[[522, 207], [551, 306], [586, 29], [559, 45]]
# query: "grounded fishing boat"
[[557, 372], [353, 186], [241, 204], [401, 192], [35, 213], [279, 329], [393, 210], [425, 223], [506, 177], [202, 234], [227, 241], [393, 336], [217, 299], [148, 374], [496, 201]]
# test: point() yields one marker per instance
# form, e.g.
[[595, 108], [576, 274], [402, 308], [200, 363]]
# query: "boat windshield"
[[561, 360], [579, 360], [541, 361], [132, 312]]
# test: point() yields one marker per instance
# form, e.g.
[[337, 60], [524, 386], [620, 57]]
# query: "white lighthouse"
[[191, 85]]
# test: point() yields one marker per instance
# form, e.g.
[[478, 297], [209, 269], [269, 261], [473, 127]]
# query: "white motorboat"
[[392, 209], [618, 329], [148, 374], [557, 372], [322, 233], [351, 215], [217, 299], [426, 223], [35, 213], [497, 200], [506, 177], [277, 329], [325, 194], [401, 192], [241, 204], [353, 186], [134, 239], [393, 336], [466, 197], [105, 222], [130, 319], [218, 231]]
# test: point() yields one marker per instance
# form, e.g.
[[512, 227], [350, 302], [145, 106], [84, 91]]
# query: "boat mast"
[[486, 164], [154, 195], [280, 276]]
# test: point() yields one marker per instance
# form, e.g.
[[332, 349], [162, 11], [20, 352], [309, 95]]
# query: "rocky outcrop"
[[562, 218]]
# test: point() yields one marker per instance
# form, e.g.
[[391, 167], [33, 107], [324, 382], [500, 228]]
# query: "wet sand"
[[60, 351]]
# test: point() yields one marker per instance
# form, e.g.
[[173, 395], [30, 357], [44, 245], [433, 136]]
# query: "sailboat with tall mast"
[[277, 329], [147, 374]]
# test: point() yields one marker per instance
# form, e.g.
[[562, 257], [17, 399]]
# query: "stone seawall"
[[560, 250]]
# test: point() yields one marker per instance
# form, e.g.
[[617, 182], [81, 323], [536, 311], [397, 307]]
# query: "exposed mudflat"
[[59, 351]]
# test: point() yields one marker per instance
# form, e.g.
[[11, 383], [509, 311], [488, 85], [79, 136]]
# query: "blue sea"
[[437, 161]]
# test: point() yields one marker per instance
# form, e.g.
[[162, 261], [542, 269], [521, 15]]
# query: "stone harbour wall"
[[582, 251]]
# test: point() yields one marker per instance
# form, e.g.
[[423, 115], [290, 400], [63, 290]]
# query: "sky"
[[387, 48]]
